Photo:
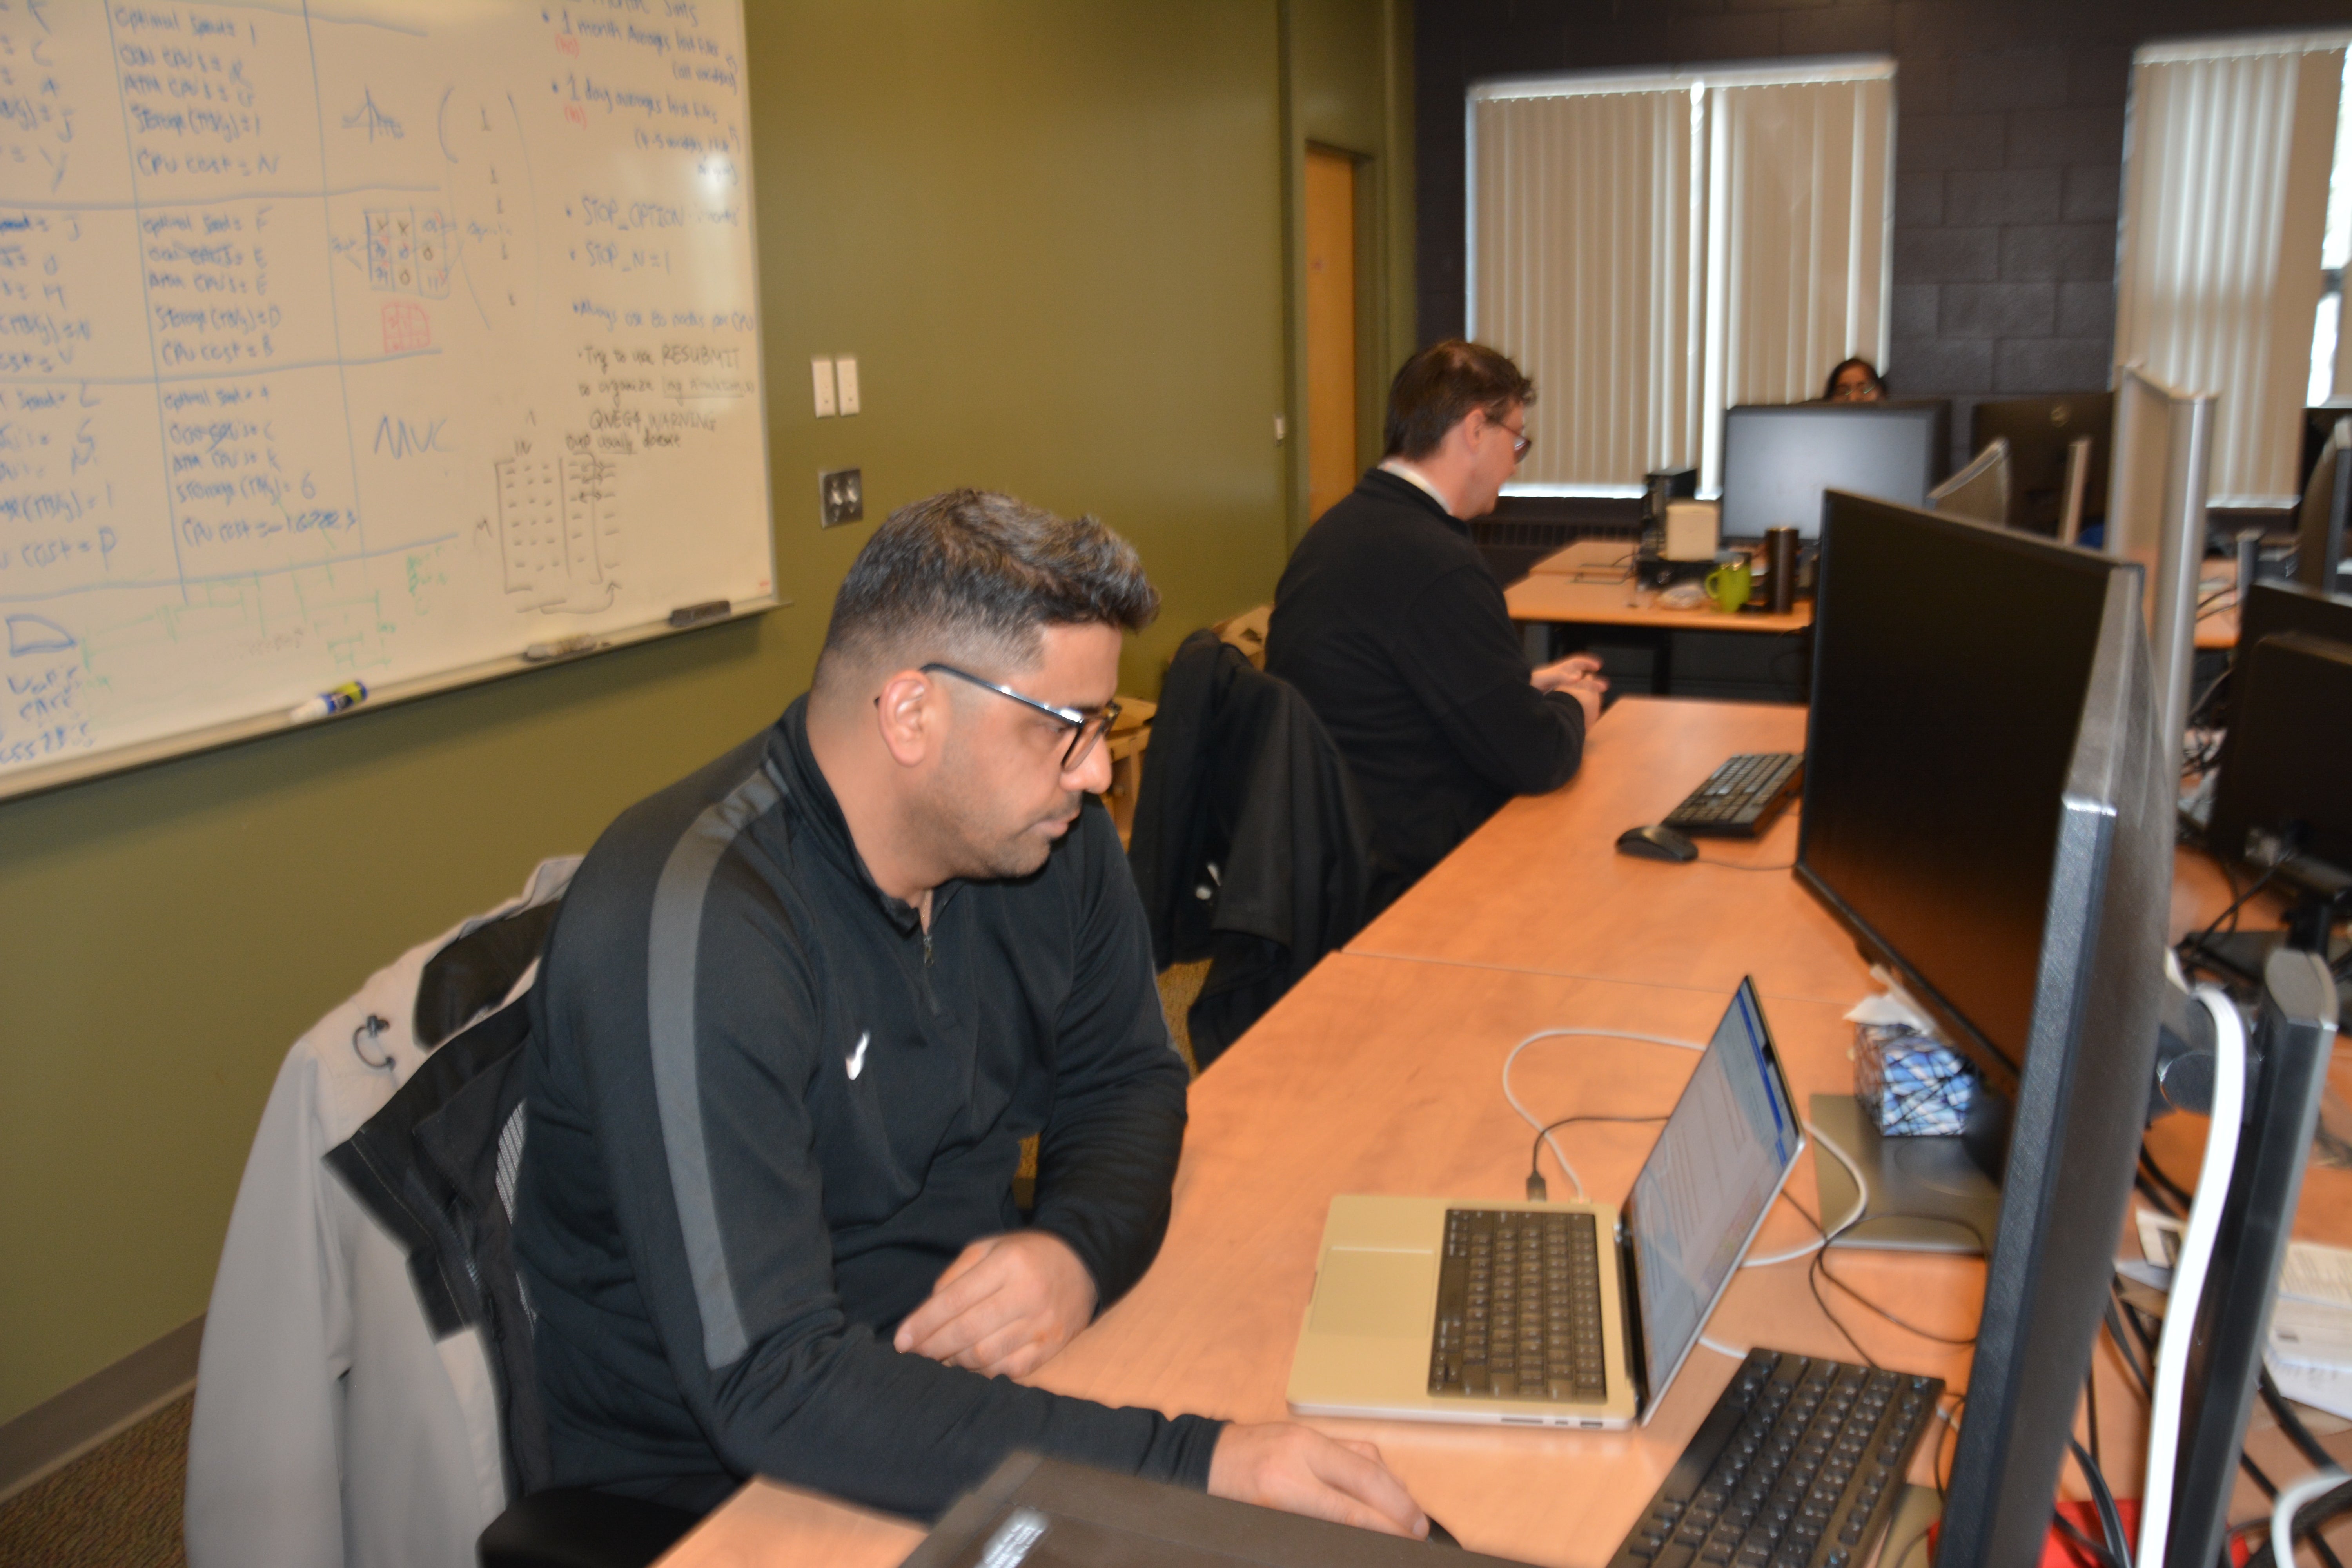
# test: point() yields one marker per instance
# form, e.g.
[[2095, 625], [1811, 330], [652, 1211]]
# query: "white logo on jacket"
[[857, 1056]]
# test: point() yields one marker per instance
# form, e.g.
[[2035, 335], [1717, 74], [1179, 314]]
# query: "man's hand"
[[1580, 676], [1280, 1463], [1007, 1305], [1576, 667]]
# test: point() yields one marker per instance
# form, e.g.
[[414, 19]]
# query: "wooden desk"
[[1552, 596], [1703, 652], [1541, 886]]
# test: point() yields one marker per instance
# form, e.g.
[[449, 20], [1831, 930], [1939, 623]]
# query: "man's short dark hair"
[[1440, 385], [975, 575]]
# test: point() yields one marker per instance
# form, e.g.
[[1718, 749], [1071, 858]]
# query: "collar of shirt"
[[1406, 471], [791, 757]]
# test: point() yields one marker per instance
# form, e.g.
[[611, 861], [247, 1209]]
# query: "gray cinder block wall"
[[2009, 152]]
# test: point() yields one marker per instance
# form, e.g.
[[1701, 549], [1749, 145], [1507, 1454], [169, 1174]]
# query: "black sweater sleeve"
[[1460, 655], [1107, 1159]]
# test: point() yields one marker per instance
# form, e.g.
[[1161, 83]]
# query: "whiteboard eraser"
[[821, 373], [844, 371], [1691, 529]]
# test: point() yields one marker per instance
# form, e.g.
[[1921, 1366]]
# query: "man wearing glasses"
[[1388, 622], [796, 1015]]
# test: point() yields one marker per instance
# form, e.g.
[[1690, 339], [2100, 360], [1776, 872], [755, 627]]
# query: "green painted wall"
[[1055, 235]]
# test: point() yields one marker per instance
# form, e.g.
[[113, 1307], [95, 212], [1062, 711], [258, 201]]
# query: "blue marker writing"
[[349, 695]]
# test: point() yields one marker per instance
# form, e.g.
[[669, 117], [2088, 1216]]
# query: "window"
[[1655, 247], [2232, 218]]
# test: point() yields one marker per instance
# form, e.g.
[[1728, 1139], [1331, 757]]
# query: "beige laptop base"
[[1364, 1349]]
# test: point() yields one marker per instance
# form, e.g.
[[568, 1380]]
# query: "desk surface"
[[1553, 596], [1541, 886], [1381, 1073]]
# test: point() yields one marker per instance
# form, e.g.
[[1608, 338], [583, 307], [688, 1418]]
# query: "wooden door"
[[1332, 463]]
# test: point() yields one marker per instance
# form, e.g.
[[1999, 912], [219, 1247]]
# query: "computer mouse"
[[1440, 1536], [1656, 843]]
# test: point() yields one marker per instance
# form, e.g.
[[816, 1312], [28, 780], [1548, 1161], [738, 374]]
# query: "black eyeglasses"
[[1520, 439], [1088, 728]]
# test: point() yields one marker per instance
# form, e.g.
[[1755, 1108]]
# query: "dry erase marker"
[[349, 695], [562, 647], [695, 615]]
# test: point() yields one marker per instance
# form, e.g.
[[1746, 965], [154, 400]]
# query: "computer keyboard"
[[1518, 1307], [1798, 1465], [1742, 796]]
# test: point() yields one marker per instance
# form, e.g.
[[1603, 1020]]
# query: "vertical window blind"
[[2228, 155], [1654, 248]]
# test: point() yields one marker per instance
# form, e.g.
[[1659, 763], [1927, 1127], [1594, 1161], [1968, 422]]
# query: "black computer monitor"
[[2284, 796], [1779, 458], [2039, 429], [2320, 522], [1988, 809], [2268, 609]]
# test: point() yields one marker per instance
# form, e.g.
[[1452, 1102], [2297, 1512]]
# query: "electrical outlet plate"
[[841, 496]]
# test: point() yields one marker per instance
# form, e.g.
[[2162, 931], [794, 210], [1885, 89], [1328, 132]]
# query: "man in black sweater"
[[796, 1014], [1390, 622]]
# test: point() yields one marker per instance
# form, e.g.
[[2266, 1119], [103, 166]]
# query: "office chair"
[[1249, 846]]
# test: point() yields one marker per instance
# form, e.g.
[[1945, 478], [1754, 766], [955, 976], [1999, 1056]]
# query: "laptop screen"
[[1704, 1189]]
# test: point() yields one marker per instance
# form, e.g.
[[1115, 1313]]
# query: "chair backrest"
[[436, 1167]]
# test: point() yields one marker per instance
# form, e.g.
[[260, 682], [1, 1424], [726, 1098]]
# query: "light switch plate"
[[841, 496], [846, 373], [820, 374]]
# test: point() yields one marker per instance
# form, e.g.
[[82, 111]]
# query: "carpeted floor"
[[118, 1506]]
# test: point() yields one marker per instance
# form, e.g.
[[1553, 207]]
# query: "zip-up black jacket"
[[1390, 622], [766, 1109]]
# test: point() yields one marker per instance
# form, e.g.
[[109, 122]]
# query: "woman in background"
[[1854, 381]]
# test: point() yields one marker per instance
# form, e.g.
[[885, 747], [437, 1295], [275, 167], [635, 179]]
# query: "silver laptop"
[[1554, 1314]]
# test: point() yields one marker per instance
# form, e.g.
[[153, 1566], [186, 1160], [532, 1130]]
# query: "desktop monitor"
[[1980, 490], [2268, 609], [2320, 521], [1987, 809], [2286, 768], [1777, 460], [2039, 431]]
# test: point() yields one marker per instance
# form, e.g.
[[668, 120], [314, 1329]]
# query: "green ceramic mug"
[[1730, 583]]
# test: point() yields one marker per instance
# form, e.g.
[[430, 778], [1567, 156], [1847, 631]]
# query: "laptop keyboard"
[[1798, 1465], [1518, 1308]]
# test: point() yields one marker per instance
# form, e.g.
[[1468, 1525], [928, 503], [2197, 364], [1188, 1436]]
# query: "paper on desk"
[[2322, 1388]]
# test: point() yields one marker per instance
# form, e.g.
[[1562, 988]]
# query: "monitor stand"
[[2241, 954], [1925, 1192]]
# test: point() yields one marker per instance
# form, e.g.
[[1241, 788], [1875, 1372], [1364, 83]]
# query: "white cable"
[[2291, 1499], [1722, 1350], [1529, 1117], [1861, 1184], [1830, 1232], [2189, 1276]]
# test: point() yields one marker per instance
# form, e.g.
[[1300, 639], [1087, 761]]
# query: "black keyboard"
[[1742, 796], [1798, 1464], [1518, 1307]]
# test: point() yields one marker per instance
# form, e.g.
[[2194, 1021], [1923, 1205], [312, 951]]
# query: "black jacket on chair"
[[1249, 843]]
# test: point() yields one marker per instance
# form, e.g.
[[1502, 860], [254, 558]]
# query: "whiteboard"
[[366, 340]]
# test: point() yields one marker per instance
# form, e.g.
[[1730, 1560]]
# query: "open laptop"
[[1554, 1314]]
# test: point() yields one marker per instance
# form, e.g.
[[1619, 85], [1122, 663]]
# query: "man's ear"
[[911, 716]]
